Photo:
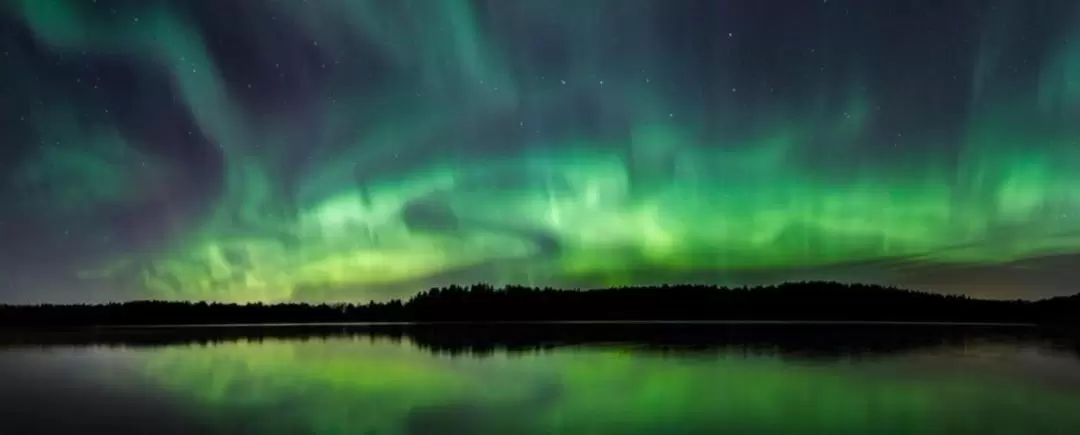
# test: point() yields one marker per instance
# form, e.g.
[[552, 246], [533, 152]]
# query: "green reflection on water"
[[364, 386]]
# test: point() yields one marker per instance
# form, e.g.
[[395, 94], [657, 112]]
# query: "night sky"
[[276, 150]]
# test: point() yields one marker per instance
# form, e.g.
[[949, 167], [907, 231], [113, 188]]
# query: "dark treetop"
[[806, 301]]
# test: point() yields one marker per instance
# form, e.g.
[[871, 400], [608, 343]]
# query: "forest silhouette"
[[481, 303]]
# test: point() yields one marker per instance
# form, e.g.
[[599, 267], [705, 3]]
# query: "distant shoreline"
[[791, 303], [826, 339], [573, 323]]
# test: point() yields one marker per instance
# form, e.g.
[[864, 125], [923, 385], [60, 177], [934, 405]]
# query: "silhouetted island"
[[804, 301]]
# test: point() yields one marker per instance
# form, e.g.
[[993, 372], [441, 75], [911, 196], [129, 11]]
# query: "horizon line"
[[405, 299]]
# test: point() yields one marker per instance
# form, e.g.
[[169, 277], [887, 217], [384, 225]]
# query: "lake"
[[543, 379]]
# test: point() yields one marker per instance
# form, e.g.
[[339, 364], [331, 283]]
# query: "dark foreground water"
[[542, 379]]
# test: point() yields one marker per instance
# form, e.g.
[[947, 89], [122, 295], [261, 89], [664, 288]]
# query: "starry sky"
[[335, 150]]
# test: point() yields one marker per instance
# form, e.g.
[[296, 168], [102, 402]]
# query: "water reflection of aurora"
[[377, 386], [347, 149]]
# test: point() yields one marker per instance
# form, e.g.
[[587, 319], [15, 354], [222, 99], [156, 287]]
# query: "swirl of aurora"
[[365, 149]]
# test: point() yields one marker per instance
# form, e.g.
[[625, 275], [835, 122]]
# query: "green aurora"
[[346, 149]]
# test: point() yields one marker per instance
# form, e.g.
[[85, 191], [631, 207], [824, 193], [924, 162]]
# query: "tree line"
[[801, 301]]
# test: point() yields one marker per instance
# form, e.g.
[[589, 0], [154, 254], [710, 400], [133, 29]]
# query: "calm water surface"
[[749, 379]]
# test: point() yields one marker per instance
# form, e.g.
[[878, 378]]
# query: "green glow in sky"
[[365, 149]]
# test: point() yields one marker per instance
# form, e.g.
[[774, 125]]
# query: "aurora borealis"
[[365, 149]]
